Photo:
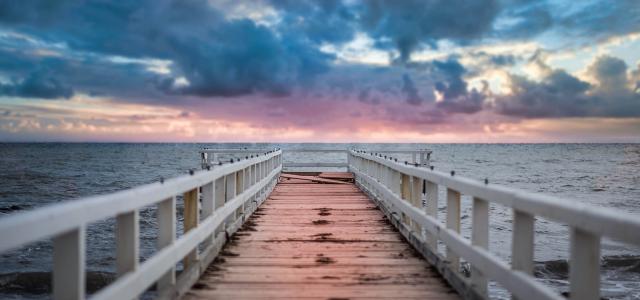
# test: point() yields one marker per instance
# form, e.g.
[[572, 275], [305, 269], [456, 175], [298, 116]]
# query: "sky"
[[432, 71]]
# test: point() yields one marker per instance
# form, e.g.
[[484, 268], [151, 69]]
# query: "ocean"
[[607, 175]]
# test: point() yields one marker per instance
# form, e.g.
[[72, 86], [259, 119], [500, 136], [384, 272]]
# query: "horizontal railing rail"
[[216, 202], [400, 189]]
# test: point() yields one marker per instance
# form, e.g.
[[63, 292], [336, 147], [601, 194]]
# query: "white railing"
[[228, 194], [212, 156], [398, 189]]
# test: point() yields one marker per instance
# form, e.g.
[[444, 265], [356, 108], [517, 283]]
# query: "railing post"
[[127, 242], [68, 265], [190, 221], [416, 200], [405, 190], [219, 199], [253, 180], [584, 265], [239, 190], [166, 237], [453, 223], [431, 190], [480, 238], [230, 192], [522, 245], [208, 206]]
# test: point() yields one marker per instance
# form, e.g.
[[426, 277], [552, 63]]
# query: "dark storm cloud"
[[525, 19], [557, 95], [37, 85], [601, 20], [217, 56], [560, 94], [456, 98], [408, 24], [318, 20], [95, 75]]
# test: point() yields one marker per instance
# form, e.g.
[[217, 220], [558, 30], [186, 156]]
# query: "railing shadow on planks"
[[398, 190], [229, 193]]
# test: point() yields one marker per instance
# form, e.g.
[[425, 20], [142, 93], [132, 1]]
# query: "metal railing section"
[[217, 200], [398, 188]]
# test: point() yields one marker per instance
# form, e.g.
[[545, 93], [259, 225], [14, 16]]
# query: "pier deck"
[[317, 240]]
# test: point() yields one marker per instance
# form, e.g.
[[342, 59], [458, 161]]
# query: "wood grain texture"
[[319, 241]]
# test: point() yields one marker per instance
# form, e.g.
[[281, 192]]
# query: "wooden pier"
[[315, 240], [251, 231]]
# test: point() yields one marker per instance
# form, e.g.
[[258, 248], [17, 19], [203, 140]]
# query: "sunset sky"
[[320, 71]]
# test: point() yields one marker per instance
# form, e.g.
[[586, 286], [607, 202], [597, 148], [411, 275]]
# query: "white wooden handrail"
[[391, 183], [211, 156], [229, 193]]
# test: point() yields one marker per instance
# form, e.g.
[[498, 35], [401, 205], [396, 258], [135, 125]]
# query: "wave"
[[559, 269], [37, 283]]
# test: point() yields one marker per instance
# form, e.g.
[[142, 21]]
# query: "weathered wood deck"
[[324, 241]]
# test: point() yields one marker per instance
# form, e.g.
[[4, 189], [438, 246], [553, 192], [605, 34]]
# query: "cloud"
[[216, 56], [600, 20], [523, 19], [321, 21], [452, 89], [560, 94], [408, 24], [37, 85]]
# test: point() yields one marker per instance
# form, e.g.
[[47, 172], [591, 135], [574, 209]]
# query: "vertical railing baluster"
[[127, 242], [246, 182], [68, 265], [480, 238], [252, 180], [190, 221], [431, 190], [230, 193], [208, 206], [416, 200], [522, 242], [584, 265], [166, 237], [405, 195], [239, 190], [219, 199], [453, 223]]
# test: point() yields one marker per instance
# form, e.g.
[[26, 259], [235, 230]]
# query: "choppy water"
[[607, 175]]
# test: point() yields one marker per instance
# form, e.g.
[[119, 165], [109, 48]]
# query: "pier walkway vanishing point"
[[306, 239]]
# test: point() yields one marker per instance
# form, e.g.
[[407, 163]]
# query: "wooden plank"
[[312, 178], [319, 241], [348, 177]]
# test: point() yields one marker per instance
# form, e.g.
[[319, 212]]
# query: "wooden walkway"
[[319, 241]]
